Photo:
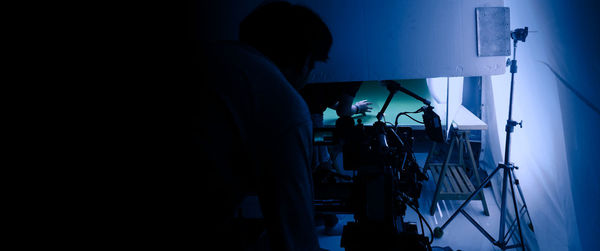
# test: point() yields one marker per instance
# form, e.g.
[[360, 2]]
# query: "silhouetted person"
[[257, 136]]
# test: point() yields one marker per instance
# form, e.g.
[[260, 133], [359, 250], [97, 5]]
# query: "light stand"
[[508, 168]]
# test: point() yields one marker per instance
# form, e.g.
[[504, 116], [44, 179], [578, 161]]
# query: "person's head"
[[291, 36]]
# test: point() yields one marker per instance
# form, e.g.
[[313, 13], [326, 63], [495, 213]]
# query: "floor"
[[460, 234]]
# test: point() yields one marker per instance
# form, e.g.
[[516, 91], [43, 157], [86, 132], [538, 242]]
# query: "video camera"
[[386, 180]]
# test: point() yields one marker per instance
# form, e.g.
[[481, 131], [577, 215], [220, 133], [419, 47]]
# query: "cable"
[[422, 229], [420, 122], [423, 218], [401, 197], [397, 116], [406, 113], [420, 216], [397, 137]]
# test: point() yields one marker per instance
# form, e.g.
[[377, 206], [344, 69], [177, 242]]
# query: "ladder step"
[[455, 184]]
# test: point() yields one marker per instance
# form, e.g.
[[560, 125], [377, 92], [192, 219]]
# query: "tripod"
[[508, 168]]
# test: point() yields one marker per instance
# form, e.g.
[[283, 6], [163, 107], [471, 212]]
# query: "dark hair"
[[286, 33]]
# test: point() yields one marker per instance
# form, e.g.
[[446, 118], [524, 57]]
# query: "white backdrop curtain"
[[556, 96]]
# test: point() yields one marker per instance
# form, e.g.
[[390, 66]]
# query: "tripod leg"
[[523, 200], [512, 190], [438, 187]]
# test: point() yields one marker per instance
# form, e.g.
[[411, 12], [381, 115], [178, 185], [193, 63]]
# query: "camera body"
[[386, 178]]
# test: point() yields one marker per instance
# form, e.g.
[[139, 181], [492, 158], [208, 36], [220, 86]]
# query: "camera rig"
[[386, 180]]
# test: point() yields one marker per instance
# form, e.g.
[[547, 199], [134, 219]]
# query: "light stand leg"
[[503, 207], [517, 183], [517, 211], [471, 196]]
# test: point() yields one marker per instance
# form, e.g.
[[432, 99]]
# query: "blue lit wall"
[[382, 39]]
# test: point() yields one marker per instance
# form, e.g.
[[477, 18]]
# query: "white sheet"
[[556, 95]]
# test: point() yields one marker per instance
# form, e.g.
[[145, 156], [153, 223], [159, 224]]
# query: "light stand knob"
[[510, 125]]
